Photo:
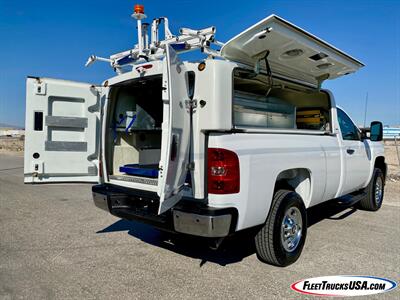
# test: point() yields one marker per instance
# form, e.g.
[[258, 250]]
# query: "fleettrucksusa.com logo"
[[343, 285]]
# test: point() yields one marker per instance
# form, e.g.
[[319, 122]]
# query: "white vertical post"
[[140, 36], [139, 15], [145, 33], [397, 149], [154, 32]]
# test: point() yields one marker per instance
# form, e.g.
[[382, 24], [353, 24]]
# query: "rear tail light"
[[143, 68], [223, 171]]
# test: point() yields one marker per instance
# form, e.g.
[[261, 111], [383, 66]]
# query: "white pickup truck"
[[244, 138]]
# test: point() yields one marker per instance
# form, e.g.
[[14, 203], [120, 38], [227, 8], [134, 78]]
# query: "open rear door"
[[62, 128], [292, 52], [175, 132]]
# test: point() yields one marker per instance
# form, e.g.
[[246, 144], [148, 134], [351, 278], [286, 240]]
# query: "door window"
[[347, 127], [38, 119]]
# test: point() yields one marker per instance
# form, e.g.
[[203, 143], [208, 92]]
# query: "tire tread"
[[264, 239], [368, 202]]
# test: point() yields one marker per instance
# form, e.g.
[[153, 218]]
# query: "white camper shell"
[[202, 147]]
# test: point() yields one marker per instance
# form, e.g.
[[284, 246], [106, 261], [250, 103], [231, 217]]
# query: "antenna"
[[365, 110]]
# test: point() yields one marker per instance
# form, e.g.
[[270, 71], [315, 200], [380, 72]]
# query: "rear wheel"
[[280, 241], [375, 190]]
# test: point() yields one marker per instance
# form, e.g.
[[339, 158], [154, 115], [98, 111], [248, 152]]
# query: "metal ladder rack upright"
[[143, 51]]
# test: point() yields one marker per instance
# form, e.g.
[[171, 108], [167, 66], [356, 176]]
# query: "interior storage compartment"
[[264, 102], [261, 111], [134, 128], [311, 118]]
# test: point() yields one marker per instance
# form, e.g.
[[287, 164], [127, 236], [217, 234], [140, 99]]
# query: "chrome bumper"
[[202, 225]]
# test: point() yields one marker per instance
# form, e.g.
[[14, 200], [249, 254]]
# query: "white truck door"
[[62, 128], [356, 156], [175, 132]]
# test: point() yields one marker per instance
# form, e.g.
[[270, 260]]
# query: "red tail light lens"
[[143, 67], [223, 171]]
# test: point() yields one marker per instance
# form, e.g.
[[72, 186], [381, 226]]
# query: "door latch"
[[37, 168], [190, 166], [191, 104], [40, 88]]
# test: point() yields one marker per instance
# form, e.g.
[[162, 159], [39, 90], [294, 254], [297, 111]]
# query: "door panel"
[[62, 131], [356, 154], [356, 165], [175, 132]]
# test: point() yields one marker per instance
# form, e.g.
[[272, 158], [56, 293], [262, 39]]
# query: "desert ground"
[[55, 244]]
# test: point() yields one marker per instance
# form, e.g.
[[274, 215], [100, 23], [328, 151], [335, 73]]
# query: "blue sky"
[[54, 39]]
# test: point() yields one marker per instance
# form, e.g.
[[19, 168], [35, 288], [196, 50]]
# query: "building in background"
[[390, 133]]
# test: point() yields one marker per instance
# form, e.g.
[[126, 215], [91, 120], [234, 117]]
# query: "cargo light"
[[223, 171]]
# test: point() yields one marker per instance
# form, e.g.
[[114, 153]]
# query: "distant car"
[[213, 147]]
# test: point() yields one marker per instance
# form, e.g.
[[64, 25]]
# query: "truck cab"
[[210, 147]]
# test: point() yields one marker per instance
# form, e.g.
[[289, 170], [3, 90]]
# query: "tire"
[[375, 190], [270, 245]]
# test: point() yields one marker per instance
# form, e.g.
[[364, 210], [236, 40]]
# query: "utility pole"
[[365, 111]]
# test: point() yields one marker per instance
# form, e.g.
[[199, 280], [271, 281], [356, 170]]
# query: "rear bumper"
[[188, 216], [202, 225]]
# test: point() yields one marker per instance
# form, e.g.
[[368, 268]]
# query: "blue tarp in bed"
[[140, 170]]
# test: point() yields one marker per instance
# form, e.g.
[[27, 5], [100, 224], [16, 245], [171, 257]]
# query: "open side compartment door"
[[175, 132], [62, 127], [293, 52]]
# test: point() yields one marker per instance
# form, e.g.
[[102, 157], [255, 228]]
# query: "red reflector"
[[143, 67], [223, 172]]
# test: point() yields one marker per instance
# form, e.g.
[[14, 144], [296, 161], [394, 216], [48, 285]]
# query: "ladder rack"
[[188, 40]]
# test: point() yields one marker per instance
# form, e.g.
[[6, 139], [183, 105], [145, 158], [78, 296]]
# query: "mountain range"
[[4, 125]]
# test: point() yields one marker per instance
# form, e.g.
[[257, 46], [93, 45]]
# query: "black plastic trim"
[[163, 221]]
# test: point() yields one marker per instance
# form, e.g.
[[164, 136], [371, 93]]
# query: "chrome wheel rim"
[[291, 229], [378, 190]]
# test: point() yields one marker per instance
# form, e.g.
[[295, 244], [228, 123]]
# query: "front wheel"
[[280, 241], [375, 189]]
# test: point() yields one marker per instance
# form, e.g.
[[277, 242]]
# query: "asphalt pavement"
[[55, 244]]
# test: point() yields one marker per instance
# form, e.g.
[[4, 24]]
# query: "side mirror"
[[376, 134]]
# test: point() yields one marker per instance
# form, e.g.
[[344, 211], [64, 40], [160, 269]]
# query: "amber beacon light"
[[138, 9]]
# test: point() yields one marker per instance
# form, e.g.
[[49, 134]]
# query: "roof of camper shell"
[[293, 51]]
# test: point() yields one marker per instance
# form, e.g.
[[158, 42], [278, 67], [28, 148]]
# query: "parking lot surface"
[[54, 243]]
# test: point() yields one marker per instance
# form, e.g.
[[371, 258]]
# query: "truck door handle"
[[350, 151]]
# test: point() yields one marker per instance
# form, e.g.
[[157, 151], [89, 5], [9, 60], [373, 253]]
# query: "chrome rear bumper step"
[[136, 179]]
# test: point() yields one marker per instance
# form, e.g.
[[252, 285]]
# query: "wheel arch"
[[381, 164], [298, 180]]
